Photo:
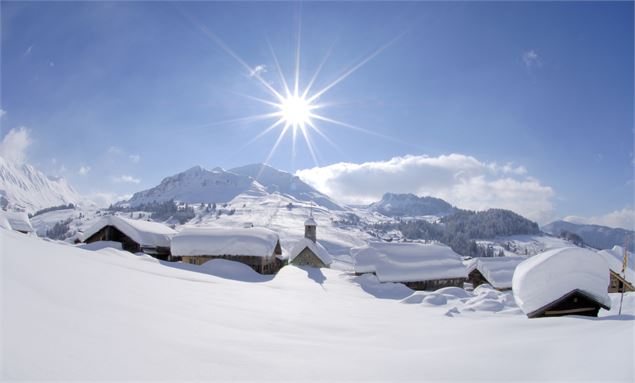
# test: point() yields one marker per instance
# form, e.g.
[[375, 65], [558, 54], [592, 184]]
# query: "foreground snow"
[[70, 313]]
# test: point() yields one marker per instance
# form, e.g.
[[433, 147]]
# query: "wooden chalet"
[[563, 281], [619, 281], [495, 271], [258, 248], [135, 236], [18, 221], [416, 265]]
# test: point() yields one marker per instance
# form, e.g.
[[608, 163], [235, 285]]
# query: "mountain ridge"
[[23, 187], [200, 185]]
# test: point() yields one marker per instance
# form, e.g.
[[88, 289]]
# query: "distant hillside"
[[600, 237], [461, 229], [410, 205]]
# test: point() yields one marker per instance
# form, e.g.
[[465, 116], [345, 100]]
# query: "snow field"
[[70, 313]]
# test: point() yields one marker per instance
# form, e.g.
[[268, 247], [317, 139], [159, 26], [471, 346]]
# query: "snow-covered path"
[[69, 314]]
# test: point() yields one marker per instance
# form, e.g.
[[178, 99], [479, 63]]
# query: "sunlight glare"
[[295, 111]]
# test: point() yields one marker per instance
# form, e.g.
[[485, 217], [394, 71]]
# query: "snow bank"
[[614, 257], [227, 269], [145, 233], [408, 262], [549, 276], [316, 248], [18, 221], [98, 245], [454, 301], [74, 315], [198, 241]]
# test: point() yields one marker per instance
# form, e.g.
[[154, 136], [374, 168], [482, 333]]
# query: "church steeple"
[[310, 227]]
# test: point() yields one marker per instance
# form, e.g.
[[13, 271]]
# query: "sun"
[[295, 111], [296, 106]]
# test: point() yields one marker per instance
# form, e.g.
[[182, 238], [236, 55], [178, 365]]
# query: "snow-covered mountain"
[[600, 237], [23, 187], [198, 184], [410, 205], [275, 180]]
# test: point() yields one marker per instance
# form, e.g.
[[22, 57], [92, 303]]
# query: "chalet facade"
[[619, 280], [258, 248], [618, 283], [577, 302], [495, 271], [307, 251], [416, 265], [135, 236]]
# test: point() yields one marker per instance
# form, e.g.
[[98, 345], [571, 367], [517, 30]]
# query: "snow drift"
[[71, 314]]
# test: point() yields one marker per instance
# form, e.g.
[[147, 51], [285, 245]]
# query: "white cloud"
[[126, 179], [135, 158], [83, 170], [461, 180], [531, 58], [14, 144], [102, 199], [624, 219], [258, 70], [114, 150]]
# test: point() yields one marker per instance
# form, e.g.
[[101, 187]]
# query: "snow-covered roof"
[[200, 241], [145, 233], [498, 271], [18, 221], [310, 222], [316, 248], [408, 262], [4, 223], [548, 276], [614, 257]]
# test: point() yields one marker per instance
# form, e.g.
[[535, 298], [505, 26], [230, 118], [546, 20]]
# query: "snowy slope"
[[72, 314], [23, 187], [285, 215], [281, 182], [198, 185], [600, 237]]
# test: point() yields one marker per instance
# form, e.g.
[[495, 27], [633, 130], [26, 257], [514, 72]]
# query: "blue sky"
[[134, 92]]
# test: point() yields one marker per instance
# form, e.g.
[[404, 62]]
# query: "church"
[[308, 251]]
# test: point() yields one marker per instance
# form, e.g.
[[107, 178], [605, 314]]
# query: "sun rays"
[[295, 109]]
